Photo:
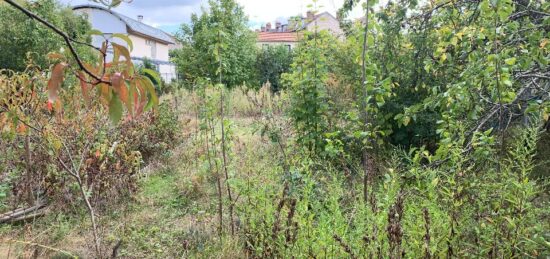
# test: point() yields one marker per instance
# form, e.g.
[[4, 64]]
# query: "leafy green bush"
[[152, 134], [466, 207], [271, 63], [42, 147], [198, 57], [307, 84]]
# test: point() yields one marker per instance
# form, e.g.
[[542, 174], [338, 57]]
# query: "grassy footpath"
[[171, 216]]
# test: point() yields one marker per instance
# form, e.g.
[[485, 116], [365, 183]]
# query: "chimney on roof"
[[268, 27], [278, 26], [310, 16], [140, 18]]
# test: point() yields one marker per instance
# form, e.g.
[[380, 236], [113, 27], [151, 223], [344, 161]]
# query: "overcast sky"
[[169, 14]]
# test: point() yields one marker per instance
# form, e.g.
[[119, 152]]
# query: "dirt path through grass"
[[173, 214]]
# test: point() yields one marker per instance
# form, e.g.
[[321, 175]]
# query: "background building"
[[148, 42], [289, 34]]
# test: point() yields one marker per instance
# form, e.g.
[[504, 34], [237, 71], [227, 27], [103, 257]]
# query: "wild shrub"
[[271, 63], [152, 134], [40, 145], [307, 84], [462, 208]]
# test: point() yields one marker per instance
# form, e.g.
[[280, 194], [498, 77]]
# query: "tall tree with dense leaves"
[[22, 36], [271, 63], [197, 58]]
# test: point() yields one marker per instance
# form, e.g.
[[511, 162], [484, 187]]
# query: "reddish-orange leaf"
[[57, 105], [116, 80], [84, 86], [91, 68], [94, 69], [21, 128], [123, 93], [119, 86], [105, 93], [120, 50], [136, 101], [55, 81], [140, 106], [3, 119]]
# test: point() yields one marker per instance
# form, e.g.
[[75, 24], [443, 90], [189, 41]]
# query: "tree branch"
[[68, 40]]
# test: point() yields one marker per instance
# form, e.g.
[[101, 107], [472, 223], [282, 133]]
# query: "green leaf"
[[406, 120], [115, 3], [443, 57], [510, 61], [96, 32], [507, 82], [151, 73], [379, 100], [125, 38], [150, 88], [115, 109], [121, 50]]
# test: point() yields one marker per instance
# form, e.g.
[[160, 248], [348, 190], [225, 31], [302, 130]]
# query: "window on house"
[[289, 47], [153, 46]]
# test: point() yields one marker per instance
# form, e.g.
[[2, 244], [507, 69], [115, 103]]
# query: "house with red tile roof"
[[289, 35], [288, 39]]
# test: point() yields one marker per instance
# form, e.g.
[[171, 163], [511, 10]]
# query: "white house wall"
[[142, 50], [163, 52], [326, 22], [292, 45], [167, 72], [106, 23]]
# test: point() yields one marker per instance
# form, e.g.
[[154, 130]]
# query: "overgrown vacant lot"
[[172, 213], [417, 130]]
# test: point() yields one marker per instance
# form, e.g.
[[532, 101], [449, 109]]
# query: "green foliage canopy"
[[225, 23], [22, 36], [307, 82], [271, 63]]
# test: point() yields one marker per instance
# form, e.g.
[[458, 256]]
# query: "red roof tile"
[[278, 37]]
